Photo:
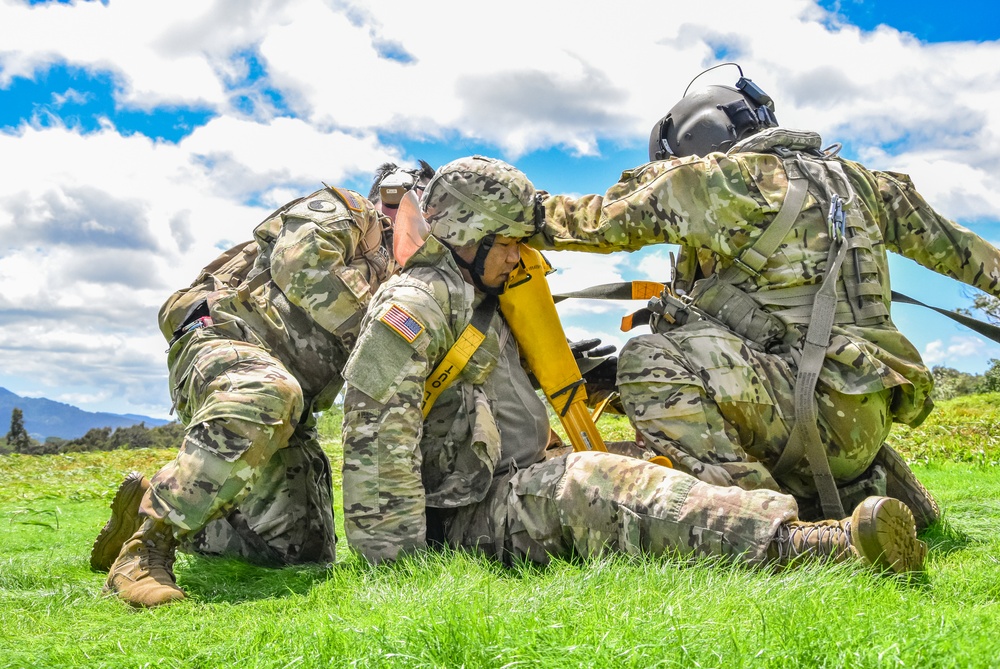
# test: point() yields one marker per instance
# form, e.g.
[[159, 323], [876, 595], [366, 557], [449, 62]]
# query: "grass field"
[[452, 610]]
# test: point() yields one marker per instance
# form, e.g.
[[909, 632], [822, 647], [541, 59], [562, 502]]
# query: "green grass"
[[965, 429], [450, 610]]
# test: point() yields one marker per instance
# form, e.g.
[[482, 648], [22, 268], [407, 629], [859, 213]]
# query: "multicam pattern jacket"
[[325, 260], [715, 206], [396, 463]]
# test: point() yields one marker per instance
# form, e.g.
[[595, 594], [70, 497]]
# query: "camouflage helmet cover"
[[475, 197]]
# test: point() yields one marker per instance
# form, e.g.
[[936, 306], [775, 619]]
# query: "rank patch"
[[408, 327]]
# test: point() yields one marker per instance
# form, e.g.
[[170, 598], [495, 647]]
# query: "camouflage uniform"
[[248, 384], [719, 403], [472, 473]]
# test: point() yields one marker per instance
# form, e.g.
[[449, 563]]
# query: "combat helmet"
[[472, 200], [712, 118]]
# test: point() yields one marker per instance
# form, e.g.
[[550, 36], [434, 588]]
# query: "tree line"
[[950, 383], [96, 439]]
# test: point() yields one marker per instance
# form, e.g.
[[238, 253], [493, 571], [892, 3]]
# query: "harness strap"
[[805, 437], [753, 258], [458, 355], [244, 289]]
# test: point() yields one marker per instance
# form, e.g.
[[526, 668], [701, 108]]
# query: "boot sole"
[[884, 534], [123, 523]]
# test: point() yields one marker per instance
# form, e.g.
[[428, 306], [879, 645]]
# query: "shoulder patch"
[[350, 198], [321, 205], [405, 325]]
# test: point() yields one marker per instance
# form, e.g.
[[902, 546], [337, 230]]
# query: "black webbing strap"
[[991, 332]]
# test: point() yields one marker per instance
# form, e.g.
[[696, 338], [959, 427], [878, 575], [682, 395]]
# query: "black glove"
[[590, 348], [598, 367]]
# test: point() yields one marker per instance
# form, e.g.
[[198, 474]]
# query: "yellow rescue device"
[[530, 311]]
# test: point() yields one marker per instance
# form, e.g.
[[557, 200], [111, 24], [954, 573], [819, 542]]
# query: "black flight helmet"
[[712, 119]]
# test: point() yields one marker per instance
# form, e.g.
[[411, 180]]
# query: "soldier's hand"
[[601, 382], [590, 348], [602, 376]]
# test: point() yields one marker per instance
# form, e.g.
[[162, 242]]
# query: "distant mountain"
[[48, 418]]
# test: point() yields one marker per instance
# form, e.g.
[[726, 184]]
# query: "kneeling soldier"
[[249, 367]]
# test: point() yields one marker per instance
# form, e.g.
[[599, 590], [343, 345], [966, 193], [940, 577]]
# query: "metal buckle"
[[745, 267], [836, 221]]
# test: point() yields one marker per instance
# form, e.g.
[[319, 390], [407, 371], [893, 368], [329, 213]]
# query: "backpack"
[[229, 270], [234, 267]]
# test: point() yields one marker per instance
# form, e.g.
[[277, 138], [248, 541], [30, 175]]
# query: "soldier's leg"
[[241, 406], [722, 411], [289, 509], [712, 405], [590, 503], [852, 427]]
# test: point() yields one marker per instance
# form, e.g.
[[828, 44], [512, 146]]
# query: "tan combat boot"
[[902, 483], [123, 523], [880, 532], [143, 573]]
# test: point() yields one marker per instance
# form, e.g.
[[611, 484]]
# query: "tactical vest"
[[731, 293]]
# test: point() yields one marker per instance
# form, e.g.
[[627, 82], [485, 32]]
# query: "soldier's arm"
[[707, 203], [384, 512], [311, 258], [915, 230]]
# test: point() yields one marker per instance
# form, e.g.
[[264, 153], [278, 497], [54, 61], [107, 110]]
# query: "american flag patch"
[[351, 199], [408, 327]]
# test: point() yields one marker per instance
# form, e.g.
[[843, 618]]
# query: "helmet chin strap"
[[478, 265]]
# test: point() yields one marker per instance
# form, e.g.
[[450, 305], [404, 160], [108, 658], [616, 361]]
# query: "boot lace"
[[822, 539]]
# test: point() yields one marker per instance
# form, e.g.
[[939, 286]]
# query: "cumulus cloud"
[[100, 225], [939, 352]]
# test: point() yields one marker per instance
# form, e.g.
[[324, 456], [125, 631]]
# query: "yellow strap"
[[452, 365]]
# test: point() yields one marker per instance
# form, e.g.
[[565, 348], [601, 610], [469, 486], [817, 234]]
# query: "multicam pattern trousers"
[[242, 408], [591, 503], [722, 411]]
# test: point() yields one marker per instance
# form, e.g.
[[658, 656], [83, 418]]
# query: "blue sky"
[[139, 138]]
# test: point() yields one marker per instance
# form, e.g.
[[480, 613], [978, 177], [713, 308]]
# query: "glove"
[[598, 367], [590, 348]]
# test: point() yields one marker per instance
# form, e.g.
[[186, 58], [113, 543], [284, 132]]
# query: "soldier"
[[249, 368], [469, 470], [773, 362]]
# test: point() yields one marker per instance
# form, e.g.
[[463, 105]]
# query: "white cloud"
[[938, 352], [99, 226]]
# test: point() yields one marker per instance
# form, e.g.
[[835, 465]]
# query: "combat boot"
[[902, 484], [143, 573], [123, 523], [880, 532]]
